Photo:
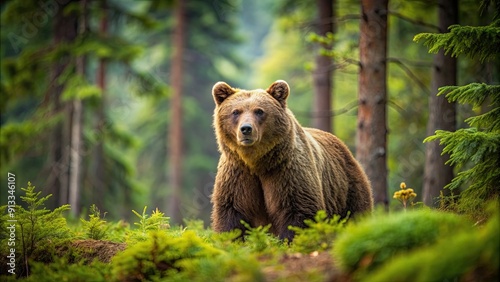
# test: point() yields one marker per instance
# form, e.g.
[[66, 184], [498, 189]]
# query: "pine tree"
[[40, 80], [371, 134], [474, 150]]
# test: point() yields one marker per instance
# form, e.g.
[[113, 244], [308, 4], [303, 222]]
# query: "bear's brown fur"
[[272, 170]]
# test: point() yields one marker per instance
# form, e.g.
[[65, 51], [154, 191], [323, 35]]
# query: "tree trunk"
[[323, 74], [371, 135], [99, 186], [64, 29], [76, 128], [175, 130], [441, 112]]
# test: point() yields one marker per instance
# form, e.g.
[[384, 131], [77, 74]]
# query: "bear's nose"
[[246, 129]]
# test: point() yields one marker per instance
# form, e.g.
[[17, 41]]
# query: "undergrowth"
[[417, 245]]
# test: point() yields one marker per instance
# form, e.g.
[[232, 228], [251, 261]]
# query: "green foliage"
[[96, 227], [319, 233], [77, 87], [39, 80], [475, 42], [156, 221], [62, 270], [37, 229], [374, 241], [232, 266], [470, 147], [258, 238], [387, 247], [38, 223], [160, 256], [466, 255], [147, 224], [474, 150]]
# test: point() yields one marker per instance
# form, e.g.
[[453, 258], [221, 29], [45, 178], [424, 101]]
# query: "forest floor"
[[102, 250], [292, 267], [299, 267]]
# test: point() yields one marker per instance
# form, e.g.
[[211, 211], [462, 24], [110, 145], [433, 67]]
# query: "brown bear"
[[273, 170]]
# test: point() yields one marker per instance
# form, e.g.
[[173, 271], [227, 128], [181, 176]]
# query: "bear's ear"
[[279, 90], [221, 91]]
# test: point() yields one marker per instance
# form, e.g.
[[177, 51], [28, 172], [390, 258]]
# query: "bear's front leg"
[[225, 217], [289, 202], [237, 196]]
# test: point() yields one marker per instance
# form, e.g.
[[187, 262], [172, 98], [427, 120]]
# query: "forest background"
[[109, 102]]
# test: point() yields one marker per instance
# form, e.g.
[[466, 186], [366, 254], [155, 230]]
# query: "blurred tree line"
[[108, 102]]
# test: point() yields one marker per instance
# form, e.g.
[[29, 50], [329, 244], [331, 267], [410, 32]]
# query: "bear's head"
[[251, 122]]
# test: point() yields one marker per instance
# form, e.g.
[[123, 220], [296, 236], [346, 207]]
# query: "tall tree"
[[371, 135], [441, 112], [40, 112], [323, 74], [175, 130], [65, 31], [99, 180], [75, 170]]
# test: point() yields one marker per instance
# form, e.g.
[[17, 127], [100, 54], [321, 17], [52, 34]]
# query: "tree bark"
[[175, 131], [441, 112], [323, 74], [64, 29], [99, 186], [76, 128], [371, 135]]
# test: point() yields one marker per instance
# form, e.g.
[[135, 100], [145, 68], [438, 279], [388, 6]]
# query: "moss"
[[468, 255], [371, 242]]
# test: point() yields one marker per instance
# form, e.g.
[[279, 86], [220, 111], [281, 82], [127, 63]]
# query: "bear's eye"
[[259, 112], [236, 113]]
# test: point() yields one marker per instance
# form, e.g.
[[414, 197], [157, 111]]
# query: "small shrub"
[[37, 231], [259, 239], [319, 233], [62, 270], [160, 256], [228, 266], [157, 221], [96, 227], [198, 226]]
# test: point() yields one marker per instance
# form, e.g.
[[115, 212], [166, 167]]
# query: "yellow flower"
[[402, 185]]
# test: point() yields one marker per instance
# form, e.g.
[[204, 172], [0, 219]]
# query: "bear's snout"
[[247, 134], [246, 129]]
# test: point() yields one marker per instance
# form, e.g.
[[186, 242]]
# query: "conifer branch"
[[476, 42], [473, 93]]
